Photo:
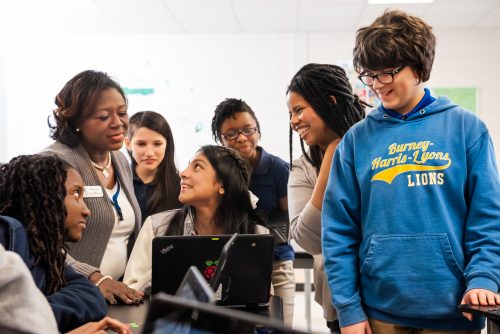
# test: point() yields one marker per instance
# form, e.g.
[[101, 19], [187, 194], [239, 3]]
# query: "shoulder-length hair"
[[76, 101]]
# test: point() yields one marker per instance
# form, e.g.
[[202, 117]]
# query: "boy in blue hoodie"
[[411, 214]]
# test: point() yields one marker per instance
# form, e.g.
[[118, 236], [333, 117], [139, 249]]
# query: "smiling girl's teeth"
[[301, 130]]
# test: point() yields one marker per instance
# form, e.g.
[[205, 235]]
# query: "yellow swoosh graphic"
[[390, 174]]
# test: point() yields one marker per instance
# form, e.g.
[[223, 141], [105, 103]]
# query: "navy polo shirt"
[[142, 192], [269, 182]]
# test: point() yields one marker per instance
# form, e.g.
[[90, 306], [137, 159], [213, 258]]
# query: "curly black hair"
[[227, 109], [33, 192], [316, 83]]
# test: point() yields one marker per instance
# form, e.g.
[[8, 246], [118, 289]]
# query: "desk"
[[136, 314]]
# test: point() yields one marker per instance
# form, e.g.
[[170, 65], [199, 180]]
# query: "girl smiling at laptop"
[[215, 197]]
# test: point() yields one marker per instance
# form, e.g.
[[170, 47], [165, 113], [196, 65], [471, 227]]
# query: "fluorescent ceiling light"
[[392, 2]]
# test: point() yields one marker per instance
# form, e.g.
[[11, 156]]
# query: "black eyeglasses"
[[233, 134], [384, 77]]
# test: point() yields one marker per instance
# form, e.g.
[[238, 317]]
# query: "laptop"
[[171, 314], [195, 287], [222, 269], [245, 279], [278, 224], [490, 311]]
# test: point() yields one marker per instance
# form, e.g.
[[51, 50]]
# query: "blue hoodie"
[[411, 218]]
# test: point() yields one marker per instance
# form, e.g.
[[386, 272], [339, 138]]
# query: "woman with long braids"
[[322, 108], [91, 121], [151, 147], [214, 191], [46, 196]]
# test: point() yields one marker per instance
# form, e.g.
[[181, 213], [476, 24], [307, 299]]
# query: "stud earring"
[[77, 130], [221, 191]]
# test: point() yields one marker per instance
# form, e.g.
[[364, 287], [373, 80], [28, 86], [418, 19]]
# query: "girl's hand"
[[112, 289], [359, 328], [101, 327]]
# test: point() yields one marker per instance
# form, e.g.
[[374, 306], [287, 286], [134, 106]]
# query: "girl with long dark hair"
[[215, 197], [150, 144]]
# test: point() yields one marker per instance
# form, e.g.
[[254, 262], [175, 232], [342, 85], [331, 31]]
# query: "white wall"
[[3, 99], [463, 59], [191, 74]]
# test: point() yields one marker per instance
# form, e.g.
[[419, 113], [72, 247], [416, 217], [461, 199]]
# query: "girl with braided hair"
[[45, 195], [215, 198], [235, 125], [322, 108]]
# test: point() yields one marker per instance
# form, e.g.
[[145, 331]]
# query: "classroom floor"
[[318, 324]]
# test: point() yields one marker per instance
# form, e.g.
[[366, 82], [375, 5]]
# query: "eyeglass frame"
[[237, 132], [375, 76]]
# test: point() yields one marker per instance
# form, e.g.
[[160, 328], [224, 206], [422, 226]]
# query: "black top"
[[143, 192]]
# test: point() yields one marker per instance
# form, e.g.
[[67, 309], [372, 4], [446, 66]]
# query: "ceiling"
[[229, 16]]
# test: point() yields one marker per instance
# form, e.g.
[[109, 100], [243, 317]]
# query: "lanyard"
[[114, 201]]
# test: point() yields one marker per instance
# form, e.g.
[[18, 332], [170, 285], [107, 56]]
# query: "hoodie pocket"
[[413, 276]]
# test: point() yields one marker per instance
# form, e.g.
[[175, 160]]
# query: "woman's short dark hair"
[[33, 192], [395, 39], [235, 212], [317, 83], [227, 109], [166, 182], [76, 101]]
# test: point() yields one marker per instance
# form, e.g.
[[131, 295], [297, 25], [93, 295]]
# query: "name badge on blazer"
[[92, 191]]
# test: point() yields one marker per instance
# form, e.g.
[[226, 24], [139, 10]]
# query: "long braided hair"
[[316, 83], [33, 192], [235, 212]]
